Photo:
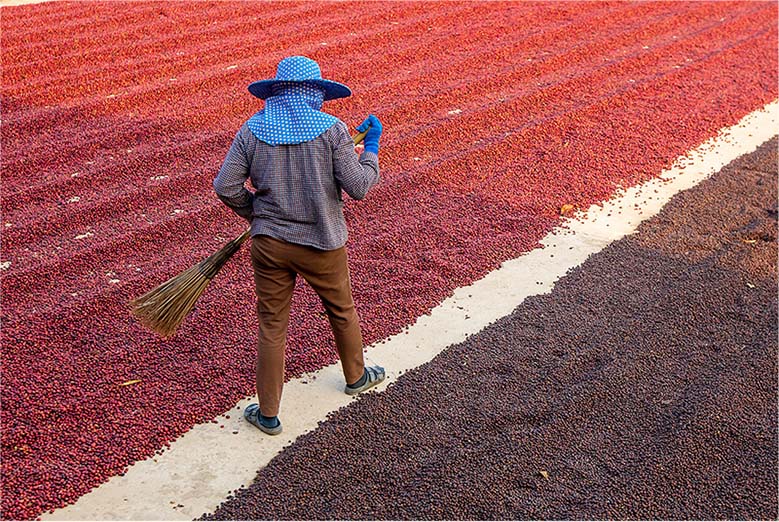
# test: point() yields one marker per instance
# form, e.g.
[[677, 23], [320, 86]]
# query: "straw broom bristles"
[[164, 308]]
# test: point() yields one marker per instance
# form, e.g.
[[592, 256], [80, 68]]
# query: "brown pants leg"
[[276, 264]]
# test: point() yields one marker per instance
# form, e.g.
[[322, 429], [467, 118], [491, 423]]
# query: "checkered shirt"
[[298, 187]]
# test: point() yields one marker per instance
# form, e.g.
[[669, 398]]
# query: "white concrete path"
[[206, 463], [10, 3]]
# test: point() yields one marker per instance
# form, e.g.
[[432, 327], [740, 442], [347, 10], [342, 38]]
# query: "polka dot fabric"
[[291, 115], [299, 69]]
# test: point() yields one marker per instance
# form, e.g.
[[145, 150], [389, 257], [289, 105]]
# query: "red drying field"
[[116, 117]]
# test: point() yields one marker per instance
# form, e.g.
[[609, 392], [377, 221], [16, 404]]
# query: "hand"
[[371, 140]]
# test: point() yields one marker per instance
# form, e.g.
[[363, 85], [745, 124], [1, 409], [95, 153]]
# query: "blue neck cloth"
[[291, 115]]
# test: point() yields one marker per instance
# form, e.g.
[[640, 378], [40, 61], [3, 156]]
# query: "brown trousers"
[[276, 265]]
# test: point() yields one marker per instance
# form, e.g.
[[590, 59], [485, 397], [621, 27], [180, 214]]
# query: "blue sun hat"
[[292, 102], [299, 69]]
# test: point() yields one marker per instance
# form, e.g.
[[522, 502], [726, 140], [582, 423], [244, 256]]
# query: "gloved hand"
[[371, 140]]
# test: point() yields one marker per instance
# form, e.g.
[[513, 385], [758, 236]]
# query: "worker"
[[299, 160]]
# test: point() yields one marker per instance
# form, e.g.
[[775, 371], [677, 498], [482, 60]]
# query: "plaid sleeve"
[[229, 183], [356, 176]]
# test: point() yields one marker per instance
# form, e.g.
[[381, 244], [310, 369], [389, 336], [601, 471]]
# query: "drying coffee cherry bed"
[[116, 116]]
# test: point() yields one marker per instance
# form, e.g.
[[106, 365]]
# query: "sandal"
[[373, 375], [252, 414]]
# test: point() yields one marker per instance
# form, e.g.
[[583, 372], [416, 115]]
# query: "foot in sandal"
[[372, 376], [269, 425]]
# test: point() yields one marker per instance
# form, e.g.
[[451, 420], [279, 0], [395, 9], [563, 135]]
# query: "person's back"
[[299, 186], [299, 160]]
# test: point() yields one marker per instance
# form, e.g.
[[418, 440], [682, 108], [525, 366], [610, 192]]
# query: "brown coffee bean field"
[[643, 386]]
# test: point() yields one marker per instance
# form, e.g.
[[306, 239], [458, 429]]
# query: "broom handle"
[[360, 136], [357, 138]]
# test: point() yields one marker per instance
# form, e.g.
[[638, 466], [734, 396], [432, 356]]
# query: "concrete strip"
[[208, 462], [10, 3]]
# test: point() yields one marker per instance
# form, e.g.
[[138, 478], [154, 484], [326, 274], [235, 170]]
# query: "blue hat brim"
[[264, 88]]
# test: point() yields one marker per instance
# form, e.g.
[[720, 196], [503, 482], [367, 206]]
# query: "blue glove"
[[371, 140]]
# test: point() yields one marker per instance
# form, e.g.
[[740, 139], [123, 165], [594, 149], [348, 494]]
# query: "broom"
[[164, 308]]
